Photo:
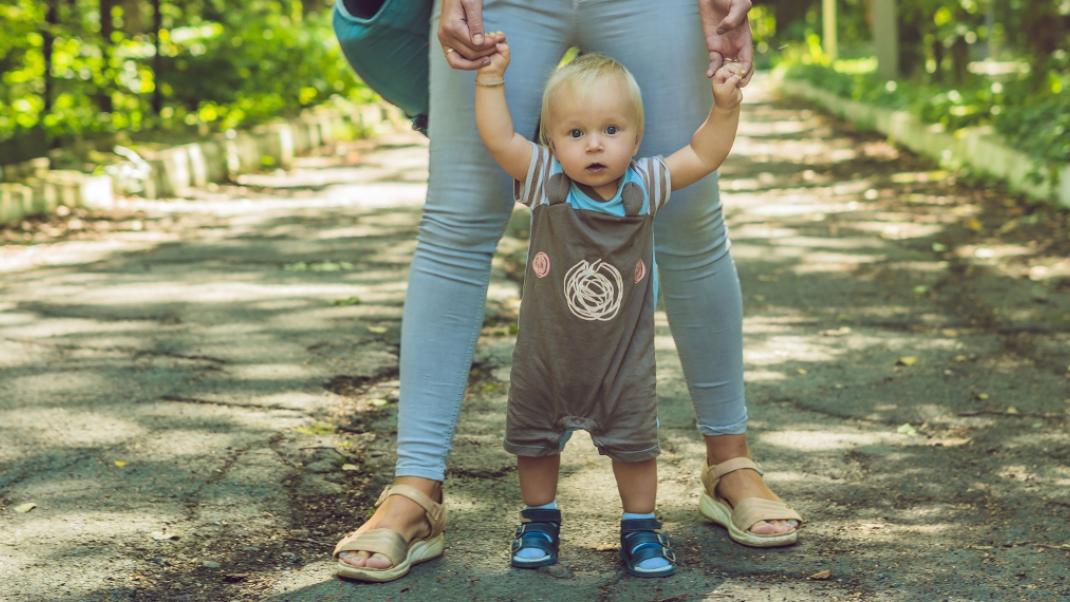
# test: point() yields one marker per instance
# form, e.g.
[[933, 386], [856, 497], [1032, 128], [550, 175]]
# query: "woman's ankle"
[[720, 448], [429, 487]]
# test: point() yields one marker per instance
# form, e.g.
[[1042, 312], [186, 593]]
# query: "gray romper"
[[584, 357]]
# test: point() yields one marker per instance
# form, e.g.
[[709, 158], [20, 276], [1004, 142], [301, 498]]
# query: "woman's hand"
[[727, 82], [728, 35], [460, 31]]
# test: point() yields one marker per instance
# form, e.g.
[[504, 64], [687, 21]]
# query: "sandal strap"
[[435, 512], [752, 510], [377, 541], [711, 476]]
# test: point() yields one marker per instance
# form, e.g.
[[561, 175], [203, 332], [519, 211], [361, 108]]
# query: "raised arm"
[[713, 140], [511, 150]]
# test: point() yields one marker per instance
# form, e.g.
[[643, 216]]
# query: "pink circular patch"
[[540, 264], [640, 271]]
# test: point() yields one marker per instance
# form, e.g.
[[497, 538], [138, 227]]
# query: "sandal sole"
[[720, 513]]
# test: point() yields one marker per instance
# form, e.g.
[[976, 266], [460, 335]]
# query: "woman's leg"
[[468, 204], [662, 44]]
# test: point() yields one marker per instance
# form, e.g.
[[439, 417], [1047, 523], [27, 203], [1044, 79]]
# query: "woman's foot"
[[741, 484], [399, 514]]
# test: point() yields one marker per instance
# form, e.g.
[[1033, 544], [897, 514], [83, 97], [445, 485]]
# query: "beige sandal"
[[748, 512], [391, 544]]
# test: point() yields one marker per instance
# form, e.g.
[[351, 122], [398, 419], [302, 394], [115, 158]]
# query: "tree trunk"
[[157, 60], [48, 40], [106, 29]]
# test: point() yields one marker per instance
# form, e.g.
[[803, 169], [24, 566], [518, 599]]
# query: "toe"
[[378, 561], [356, 559], [774, 527]]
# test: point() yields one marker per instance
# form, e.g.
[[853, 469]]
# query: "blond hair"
[[582, 75]]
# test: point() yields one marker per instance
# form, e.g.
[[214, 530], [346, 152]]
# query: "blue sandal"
[[539, 529], [641, 539]]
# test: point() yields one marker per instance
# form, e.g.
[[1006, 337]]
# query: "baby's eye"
[[575, 133], [611, 130]]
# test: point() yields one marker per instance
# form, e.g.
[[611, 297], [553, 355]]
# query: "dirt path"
[[198, 395]]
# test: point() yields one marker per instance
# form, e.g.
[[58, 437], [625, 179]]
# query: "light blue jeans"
[[469, 201]]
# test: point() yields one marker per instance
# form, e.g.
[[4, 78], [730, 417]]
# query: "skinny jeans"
[[469, 201]]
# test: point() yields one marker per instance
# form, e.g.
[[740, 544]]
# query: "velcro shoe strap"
[[380, 541], [639, 524], [753, 509], [540, 515]]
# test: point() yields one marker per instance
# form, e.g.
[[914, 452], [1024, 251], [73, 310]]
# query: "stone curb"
[[173, 171], [979, 148]]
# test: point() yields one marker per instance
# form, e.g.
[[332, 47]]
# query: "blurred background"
[[96, 72]]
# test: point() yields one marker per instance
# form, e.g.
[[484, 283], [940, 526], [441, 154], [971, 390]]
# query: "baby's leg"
[[637, 483], [536, 545], [538, 478]]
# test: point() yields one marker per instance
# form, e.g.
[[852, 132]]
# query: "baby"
[[584, 357]]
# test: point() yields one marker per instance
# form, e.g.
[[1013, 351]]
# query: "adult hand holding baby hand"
[[728, 35], [460, 31], [493, 72], [726, 85]]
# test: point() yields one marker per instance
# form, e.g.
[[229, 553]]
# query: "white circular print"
[[593, 291]]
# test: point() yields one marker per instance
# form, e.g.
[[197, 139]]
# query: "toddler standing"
[[584, 357]]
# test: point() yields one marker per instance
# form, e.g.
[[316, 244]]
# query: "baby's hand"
[[726, 91], [499, 61]]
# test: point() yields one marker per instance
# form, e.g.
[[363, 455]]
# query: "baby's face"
[[593, 135]]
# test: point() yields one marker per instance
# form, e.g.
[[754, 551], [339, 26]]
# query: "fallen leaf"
[[1012, 410], [982, 396], [907, 360], [920, 290], [949, 332], [377, 329], [974, 224], [120, 463], [350, 467], [821, 575], [939, 247], [801, 371], [24, 508], [377, 403], [906, 429]]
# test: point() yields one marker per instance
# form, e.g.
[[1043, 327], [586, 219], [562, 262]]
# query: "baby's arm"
[[713, 139], [511, 150]]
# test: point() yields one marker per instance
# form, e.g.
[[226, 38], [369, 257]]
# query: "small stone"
[[557, 571], [210, 564]]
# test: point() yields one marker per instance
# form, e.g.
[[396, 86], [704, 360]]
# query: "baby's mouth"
[[596, 168]]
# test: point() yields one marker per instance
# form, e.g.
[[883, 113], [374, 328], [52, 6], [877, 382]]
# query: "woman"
[[468, 205]]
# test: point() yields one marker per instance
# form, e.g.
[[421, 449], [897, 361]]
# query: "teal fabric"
[[388, 50]]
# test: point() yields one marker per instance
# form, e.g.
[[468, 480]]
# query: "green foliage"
[[222, 64], [1034, 122]]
